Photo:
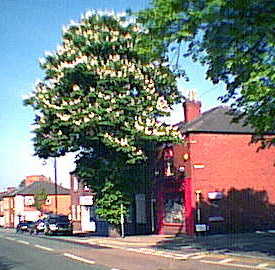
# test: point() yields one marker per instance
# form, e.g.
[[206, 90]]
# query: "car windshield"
[[58, 219]]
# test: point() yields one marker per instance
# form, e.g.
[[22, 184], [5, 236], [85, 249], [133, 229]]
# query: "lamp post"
[[122, 221], [55, 185], [55, 181]]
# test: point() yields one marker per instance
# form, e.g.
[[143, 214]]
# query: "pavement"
[[257, 245]]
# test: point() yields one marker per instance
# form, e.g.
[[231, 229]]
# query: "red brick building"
[[216, 178]]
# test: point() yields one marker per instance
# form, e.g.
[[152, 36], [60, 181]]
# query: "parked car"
[[38, 227], [57, 224], [24, 226]]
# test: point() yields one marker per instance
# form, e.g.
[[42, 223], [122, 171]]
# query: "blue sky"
[[29, 28]]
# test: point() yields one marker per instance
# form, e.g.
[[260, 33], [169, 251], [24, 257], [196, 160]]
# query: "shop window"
[[173, 207]]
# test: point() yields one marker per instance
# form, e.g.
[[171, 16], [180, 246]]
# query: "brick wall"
[[228, 163], [63, 204], [224, 161]]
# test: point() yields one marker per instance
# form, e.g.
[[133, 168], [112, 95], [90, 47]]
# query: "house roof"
[[8, 194], [2, 194], [216, 120], [48, 187]]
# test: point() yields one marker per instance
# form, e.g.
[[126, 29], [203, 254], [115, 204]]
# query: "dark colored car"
[[24, 226], [38, 227], [57, 224]]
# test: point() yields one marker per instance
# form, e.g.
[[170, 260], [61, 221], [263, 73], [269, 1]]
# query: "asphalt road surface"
[[25, 252], [19, 254]]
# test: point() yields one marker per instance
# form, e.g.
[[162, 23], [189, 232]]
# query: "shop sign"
[[198, 166], [201, 227], [86, 200], [215, 195]]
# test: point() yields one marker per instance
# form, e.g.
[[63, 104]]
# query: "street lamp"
[[55, 185], [55, 182]]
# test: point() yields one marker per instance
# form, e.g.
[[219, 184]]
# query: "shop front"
[[174, 212]]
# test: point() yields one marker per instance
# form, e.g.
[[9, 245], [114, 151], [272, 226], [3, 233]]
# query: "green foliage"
[[39, 199], [235, 39], [102, 95], [107, 172], [109, 204]]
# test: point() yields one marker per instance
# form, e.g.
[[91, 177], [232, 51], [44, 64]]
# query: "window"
[[29, 200], [48, 201], [173, 207], [140, 208]]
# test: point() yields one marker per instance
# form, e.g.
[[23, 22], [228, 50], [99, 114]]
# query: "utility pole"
[[55, 185]]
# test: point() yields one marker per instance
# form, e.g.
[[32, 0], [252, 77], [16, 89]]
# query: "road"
[[22, 252], [17, 253]]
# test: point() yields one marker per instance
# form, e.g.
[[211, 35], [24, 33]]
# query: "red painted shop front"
[[174, 211]]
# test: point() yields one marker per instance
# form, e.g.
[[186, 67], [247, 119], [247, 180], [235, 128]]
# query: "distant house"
[[24, 200], [1, 209], [7, 205], [19, 204], [216, 180]]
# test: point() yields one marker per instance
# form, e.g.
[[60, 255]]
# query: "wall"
[[231, 161], [18, 208], [230, 164], [8, 207], [63, 204]]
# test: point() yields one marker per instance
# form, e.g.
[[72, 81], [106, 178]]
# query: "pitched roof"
[[216, 120], [8, 194], [48, 187], [2, 194]]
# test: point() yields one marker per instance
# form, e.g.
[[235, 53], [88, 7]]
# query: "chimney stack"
[[191, 107], [35, 178]]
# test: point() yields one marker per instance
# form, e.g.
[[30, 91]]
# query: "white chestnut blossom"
[[115, 90]]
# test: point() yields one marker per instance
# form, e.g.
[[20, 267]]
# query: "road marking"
[[183, 247], [78, 258], [198, 256], [235, 265], [9, 238], [22, 242], [44, 248], [262, 265], [225, 260]]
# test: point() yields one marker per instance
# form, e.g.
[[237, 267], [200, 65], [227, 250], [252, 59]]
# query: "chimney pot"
[[191, 107]]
